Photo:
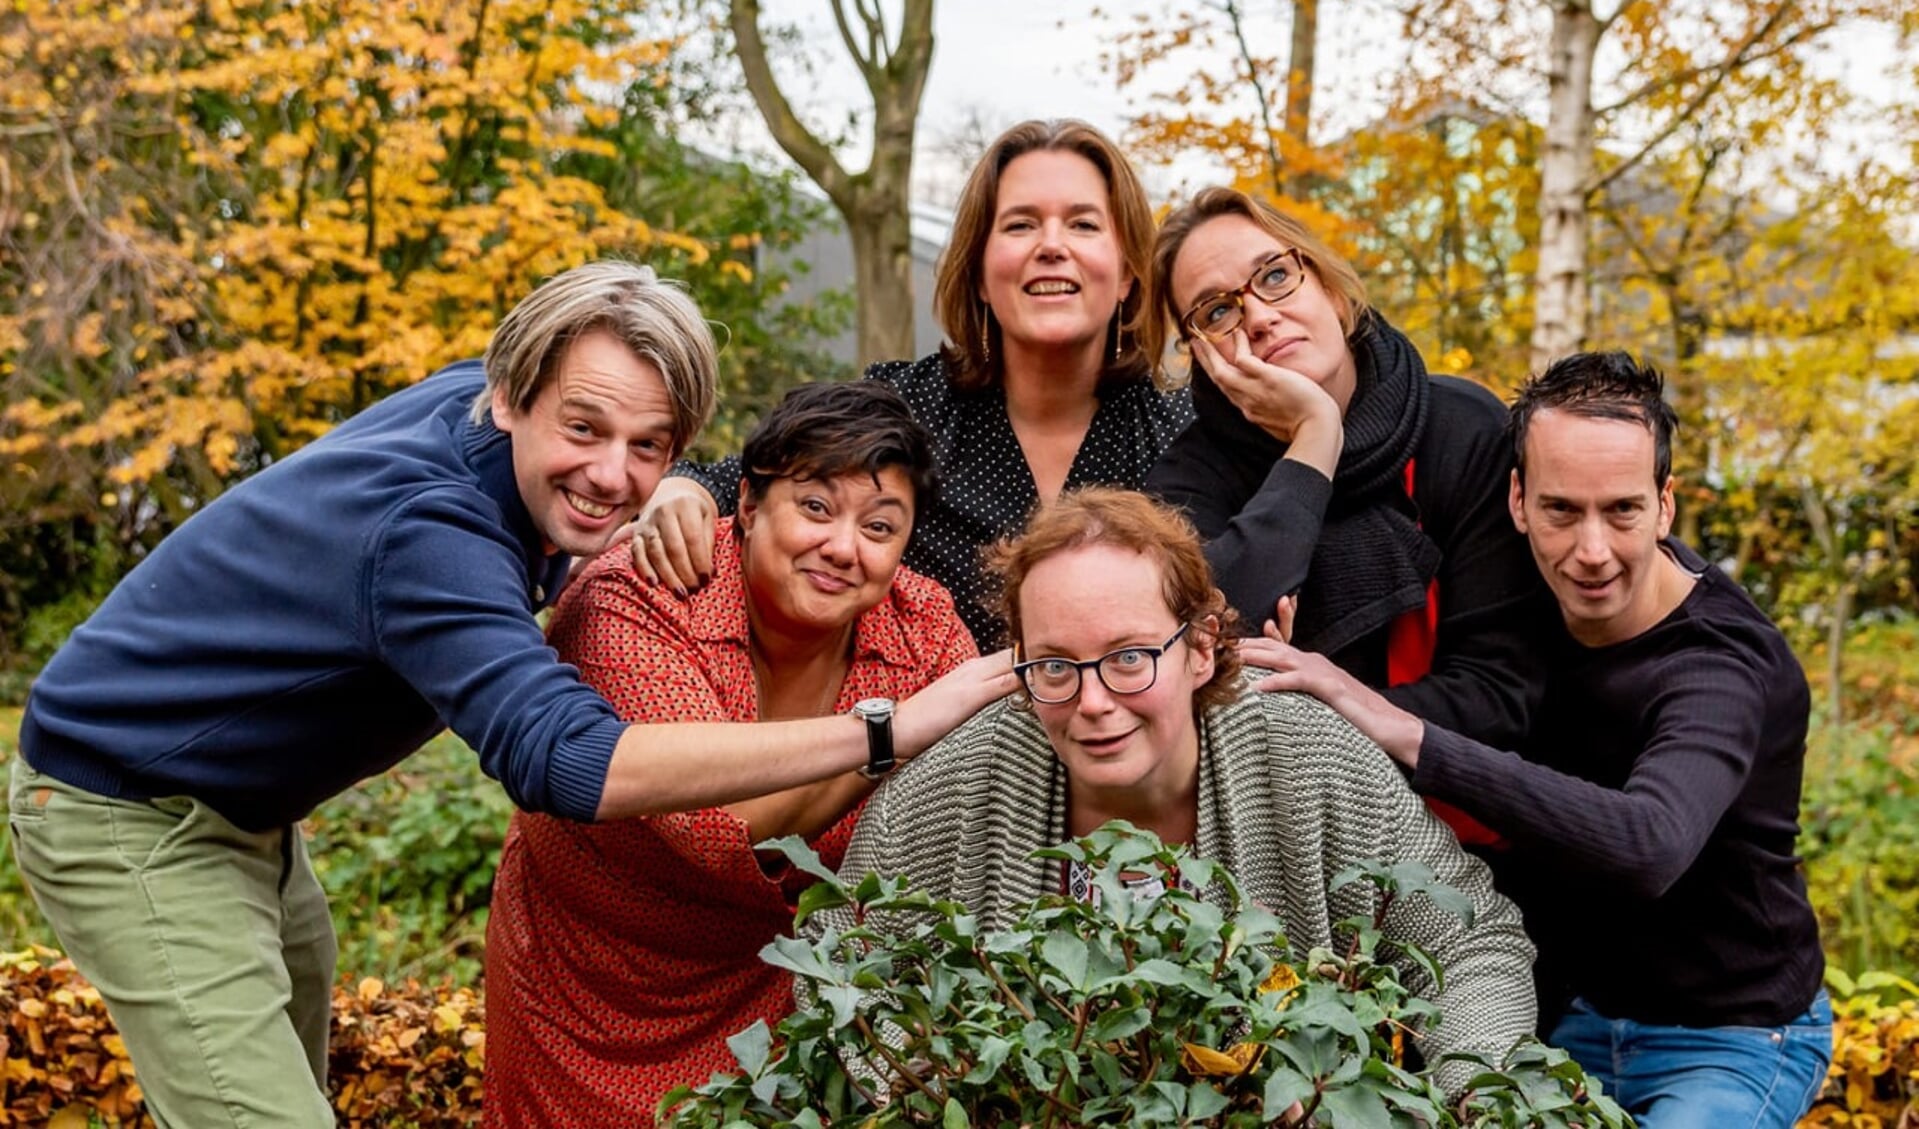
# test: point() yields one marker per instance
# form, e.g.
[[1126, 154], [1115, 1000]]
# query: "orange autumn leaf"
[[1205, 1062], [1281, 979]]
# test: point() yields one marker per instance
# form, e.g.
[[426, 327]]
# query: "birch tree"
[[1670, 63]]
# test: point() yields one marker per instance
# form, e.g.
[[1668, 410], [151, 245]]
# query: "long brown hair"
[[1332, 270], [972, 364]]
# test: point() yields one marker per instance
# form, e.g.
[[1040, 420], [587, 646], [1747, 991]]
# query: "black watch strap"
[[878, 715]]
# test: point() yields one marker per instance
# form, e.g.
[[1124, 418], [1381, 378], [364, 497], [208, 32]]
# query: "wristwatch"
[[877, 713]]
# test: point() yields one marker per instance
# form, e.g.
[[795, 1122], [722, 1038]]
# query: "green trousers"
[[210, 945]]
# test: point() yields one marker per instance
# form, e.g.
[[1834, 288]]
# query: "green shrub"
[[1137, 1010], [1859, 836], [1879, 672], [407, 860]]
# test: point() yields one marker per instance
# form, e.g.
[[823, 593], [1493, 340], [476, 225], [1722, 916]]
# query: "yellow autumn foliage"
[[1874, 1080], [232, 226], [1205, 1062]]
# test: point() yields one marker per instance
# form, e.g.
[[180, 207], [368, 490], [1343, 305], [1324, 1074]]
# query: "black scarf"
[[1372, 562]]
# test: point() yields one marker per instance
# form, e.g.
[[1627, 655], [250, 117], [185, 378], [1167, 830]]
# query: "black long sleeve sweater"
[[1653, 812]]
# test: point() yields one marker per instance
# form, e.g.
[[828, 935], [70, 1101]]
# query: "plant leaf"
[[751, 1047], [1067, 956], [954, 1116], [817, 897], [801, 856]]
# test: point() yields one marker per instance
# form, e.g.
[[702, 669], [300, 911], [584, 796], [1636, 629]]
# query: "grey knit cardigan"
[[1290, 794]]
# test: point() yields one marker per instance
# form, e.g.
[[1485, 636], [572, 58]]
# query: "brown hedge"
[[408, 1056]]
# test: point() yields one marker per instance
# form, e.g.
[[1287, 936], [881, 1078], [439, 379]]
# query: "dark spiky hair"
[[830, 429], [1610, 385]]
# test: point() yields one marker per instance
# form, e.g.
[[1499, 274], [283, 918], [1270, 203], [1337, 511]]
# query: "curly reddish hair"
[[1127, 519]]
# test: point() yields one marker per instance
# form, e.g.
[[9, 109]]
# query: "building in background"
[[828, 254]]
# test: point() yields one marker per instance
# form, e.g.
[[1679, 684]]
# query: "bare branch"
[[807, 150], [1275, 167], [869, 60], [874, 14], [1606, 22], [1677, 78], [1419, 27], [1747, 51], [898, 102]]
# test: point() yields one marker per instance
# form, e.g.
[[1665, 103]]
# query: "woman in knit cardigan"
[[1325, 462], [1135, 709]]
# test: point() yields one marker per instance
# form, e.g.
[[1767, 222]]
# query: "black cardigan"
[[1261, 519]]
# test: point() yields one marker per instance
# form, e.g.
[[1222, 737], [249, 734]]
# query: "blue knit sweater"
[[321, 620]]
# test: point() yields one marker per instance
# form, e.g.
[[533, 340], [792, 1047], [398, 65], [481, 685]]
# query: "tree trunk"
[[1299, 70], [1835, 662], [874, 203], [1560, 284], [883, 275], [1826, 535], [1300, 64]]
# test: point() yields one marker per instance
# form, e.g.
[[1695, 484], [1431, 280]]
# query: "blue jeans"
[[1704, 1077]]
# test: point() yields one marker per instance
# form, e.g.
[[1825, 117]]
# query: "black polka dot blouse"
[[986, 488]]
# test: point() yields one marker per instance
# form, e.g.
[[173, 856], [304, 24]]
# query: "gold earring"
[[985, 331]]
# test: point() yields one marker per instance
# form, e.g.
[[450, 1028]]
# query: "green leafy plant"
[[1148, 1009], [407, 860], [1859, 835]]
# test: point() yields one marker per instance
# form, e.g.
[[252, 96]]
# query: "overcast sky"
[[997, 62]]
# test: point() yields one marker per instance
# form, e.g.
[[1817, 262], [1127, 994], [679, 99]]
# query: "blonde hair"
[[1127, 519], [653, 317], [956, 284], [1332, 270]]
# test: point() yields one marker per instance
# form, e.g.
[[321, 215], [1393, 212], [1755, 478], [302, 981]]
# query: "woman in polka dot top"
[[621, 955], [1041, 385]]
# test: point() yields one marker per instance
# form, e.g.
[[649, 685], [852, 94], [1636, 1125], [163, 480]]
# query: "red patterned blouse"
[[621, 955]]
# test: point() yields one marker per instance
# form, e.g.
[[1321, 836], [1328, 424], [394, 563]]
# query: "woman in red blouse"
[[621, 955]]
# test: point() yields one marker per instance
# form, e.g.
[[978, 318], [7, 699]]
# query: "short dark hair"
[[1610, 385], [827, 430]]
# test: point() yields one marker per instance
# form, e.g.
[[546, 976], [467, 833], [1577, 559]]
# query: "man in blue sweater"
[[320, 621], [1653, 808]]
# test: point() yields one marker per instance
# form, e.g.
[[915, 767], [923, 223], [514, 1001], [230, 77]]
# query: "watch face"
[[874, 709]]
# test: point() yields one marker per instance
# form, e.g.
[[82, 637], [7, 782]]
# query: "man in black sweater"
[[1653, 808]]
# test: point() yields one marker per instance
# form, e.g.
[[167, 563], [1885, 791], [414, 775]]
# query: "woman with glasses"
[[1326, 464], [1135, 709], [1042, 383]]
